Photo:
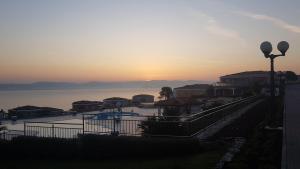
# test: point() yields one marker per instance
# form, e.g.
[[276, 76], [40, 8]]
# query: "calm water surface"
[[64, 98], [19, 124]]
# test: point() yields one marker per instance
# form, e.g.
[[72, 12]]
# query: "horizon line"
[[86, 82]]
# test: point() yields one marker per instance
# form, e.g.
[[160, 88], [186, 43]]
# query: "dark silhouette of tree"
[[166, 93], [210, 91], [291, 76]]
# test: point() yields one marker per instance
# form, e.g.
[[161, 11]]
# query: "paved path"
[[291, 142]]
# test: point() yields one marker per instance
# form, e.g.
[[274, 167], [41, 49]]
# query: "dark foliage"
[[209, 91], [164, 126], [291, 76], [263, 147], [172, 111], [166, 92], [244, 125], [97, 147]]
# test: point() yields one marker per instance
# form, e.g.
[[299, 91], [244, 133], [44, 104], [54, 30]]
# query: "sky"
[[127, 40]]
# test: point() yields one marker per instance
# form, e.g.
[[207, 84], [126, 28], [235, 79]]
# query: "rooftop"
[[147, 95], [116, 98], [35, 108], [87, 102], [194, 86], [247, 73]]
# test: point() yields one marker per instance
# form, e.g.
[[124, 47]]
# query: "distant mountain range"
[[99, 85]]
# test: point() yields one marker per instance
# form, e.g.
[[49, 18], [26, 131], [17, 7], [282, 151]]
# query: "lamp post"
[[266, 48], [281, 83]]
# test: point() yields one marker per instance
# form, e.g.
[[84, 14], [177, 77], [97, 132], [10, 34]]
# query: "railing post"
[[114, 120], [52, 130], [83, 124], [24, 128], [4, 135], [189, 132]]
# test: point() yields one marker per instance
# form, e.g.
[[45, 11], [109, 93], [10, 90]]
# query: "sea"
[[63, 98]]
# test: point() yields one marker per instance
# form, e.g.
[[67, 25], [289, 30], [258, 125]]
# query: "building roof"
[[83, 102], [194, 86], [143, 95], [116, 98], [246, 73], [34, 108]]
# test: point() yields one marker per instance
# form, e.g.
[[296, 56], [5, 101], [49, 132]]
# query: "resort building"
[[86, 106], [236, 84], [142, 98], [2, 114], [33, 111], [115, 102], [189, 91], [247, 78], [228, 90]]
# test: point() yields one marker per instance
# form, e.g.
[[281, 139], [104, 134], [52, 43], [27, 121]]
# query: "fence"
[[54, 130], [161, 125], [213, 115], [118, 125], [189, 126], [10, 134], [135, 125]]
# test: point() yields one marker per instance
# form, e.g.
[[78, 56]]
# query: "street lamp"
[[266, 48]]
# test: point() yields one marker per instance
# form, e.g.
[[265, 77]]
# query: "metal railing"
[[210, 117], [136, 125], [189, 126], [161, 125], [54, 130], [215, 109], [10, 134], [116, 125]]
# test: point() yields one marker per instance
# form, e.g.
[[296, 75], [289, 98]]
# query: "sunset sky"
[[124, 40]]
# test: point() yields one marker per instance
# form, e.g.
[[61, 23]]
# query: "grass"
[[206, 160]]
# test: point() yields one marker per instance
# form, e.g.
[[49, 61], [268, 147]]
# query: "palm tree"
[[166, 93]]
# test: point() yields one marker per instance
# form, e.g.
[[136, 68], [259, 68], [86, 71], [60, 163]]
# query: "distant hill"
[[100, 85]]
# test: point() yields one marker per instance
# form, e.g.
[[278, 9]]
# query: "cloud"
[[278, 22], [221, 31], [200, 15], [214, 27]]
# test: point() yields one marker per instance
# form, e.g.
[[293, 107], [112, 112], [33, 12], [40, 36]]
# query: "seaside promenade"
[[291, 143]]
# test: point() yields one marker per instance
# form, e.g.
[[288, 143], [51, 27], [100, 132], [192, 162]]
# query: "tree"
[[291, 76], [209, 91], [166, 93]]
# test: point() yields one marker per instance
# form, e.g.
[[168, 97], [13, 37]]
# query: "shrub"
[[97, 147]]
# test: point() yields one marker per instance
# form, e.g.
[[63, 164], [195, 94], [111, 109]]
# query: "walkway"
[[291, 135]]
